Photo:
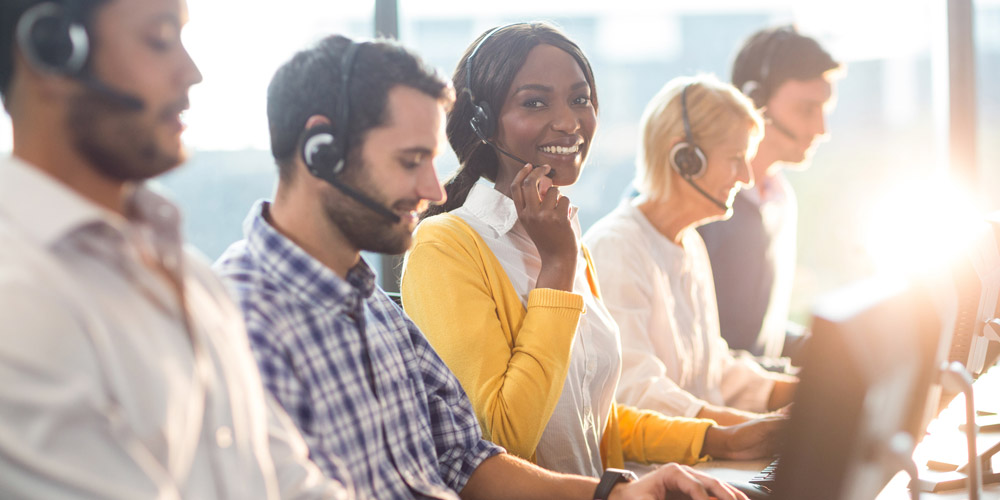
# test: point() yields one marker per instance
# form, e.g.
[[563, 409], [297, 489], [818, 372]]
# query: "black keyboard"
[[766, 476]]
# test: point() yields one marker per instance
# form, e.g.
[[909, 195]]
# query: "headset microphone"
[[706, 195], [769, 120], [125, 100], [327, 175]]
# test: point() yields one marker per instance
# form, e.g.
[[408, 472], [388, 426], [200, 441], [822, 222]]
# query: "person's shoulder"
[[617, 228], [447, 229], [259, 294], [44, 319]]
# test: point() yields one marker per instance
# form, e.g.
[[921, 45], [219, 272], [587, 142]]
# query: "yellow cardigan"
[[513, 362]]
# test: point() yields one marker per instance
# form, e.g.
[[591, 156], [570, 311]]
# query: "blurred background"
[[877, 194]]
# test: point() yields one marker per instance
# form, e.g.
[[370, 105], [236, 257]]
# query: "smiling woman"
[[505, 293]]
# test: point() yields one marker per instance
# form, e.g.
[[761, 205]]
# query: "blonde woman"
[[696, 138]]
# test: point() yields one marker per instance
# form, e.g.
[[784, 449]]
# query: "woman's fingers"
[[515, 187]]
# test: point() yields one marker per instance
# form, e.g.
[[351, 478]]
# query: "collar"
[[776, 188], [292, 268], [48, 211], [497, 211], [492, 207]]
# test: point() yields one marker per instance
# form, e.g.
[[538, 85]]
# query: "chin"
[[566, 177]]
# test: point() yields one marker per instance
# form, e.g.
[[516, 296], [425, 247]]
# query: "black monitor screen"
[[976, 279], [866, 376]]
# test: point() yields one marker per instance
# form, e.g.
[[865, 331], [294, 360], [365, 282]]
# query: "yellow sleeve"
[[651, 437], [512, 363]]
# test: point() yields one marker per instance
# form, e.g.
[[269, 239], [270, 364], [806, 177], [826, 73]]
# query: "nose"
[[744, 174], [565, 119], [429, 186], [189, 71]]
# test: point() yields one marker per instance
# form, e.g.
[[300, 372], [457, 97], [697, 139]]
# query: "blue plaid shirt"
[[372, 398]]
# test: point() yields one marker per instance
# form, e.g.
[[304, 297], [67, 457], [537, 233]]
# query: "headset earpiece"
[[688, 160], [752, 89], [320, 150], [686, 157], [51, 40], [324, 147], [482, 121], [756, 90]]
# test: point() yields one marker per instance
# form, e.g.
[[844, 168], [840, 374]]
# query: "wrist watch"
[[609, 479]]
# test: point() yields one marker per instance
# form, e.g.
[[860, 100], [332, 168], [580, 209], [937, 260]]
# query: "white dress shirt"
[[572, 438], [663, 298], [114, 387]]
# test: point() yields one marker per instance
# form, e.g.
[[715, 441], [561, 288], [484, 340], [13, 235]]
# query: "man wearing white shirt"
[[126, 370]]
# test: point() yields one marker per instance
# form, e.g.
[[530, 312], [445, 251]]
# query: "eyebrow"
[[415, 150], [545, 88], [169, 18]]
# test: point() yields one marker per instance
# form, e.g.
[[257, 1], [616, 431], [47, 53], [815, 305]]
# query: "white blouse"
[[663, 298], [572, 438]]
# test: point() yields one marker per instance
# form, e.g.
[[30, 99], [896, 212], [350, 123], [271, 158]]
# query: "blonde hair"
[[714, 109]]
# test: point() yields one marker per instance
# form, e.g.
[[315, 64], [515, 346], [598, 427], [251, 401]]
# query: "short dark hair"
[[494, 68], [82, 11], [774, 55], [310, 84]]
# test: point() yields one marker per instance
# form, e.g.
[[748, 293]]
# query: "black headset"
[[686, 157], [689, 160], [324, 147], [483, 122], [758, 90], [53, 39]]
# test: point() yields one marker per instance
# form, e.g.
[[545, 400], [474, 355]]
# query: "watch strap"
[[609, 479]]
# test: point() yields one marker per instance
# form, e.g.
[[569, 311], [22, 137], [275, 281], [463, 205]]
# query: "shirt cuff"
[[473, 458]]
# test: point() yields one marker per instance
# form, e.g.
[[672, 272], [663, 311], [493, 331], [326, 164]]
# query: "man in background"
[[790, 77]]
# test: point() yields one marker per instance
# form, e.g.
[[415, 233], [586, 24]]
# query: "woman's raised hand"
[[544, 213]]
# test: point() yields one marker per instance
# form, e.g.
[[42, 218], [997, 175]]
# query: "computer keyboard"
[[766, 476]]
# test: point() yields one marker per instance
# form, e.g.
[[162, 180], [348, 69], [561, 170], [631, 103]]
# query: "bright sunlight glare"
[[922, 224]]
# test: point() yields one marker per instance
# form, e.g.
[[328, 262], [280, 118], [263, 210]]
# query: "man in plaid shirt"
[[355, 129]]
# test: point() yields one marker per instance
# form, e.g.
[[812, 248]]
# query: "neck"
[[505, 175], [765, 164], [671, 216], [51, 150], [299, 217]]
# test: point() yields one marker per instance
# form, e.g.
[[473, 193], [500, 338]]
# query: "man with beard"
[[125, 367], [355, 130], [790, 77]]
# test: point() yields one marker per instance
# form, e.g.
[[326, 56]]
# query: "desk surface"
[[943, 442]]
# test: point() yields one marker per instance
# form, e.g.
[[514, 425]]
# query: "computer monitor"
[[976, 280], [867, 375]]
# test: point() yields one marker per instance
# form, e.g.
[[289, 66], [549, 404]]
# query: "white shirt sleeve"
[[745, 384]]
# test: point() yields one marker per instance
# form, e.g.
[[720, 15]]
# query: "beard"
[[364, 228], [116, 140]]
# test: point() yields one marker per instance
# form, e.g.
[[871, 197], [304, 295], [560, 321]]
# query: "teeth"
[[559, 150]]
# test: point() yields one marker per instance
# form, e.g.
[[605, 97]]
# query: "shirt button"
[[224, 437]]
